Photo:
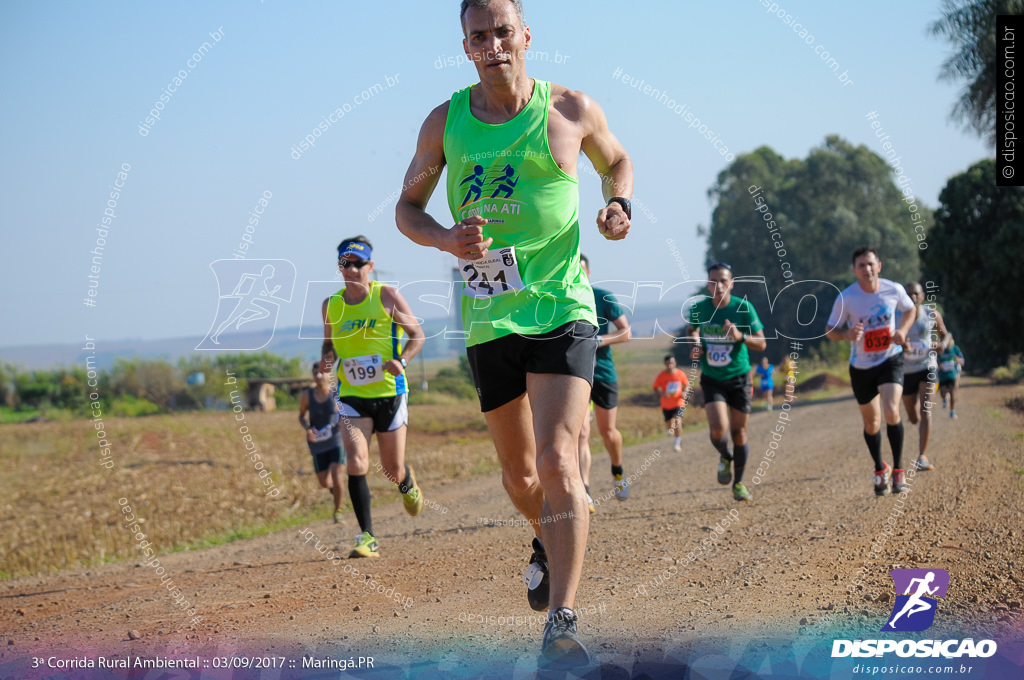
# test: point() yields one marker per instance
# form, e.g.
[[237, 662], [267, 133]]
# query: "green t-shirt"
[[608, 310], [723, 357], [947, 363]]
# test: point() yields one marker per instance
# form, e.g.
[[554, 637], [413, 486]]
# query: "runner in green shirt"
[[722, 327], [604, 396], [951, 362]]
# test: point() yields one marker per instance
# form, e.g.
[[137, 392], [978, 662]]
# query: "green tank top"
[[364, 337], [531, 280]]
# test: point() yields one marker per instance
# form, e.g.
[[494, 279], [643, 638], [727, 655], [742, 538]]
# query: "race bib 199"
[[719, 355], [363, 370], [495, 274], [877, 340]]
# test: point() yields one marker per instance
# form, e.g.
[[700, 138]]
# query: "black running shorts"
[[322, 461], [736, 392], [865, 381], [912, 381], [500, 366], [670, 413], [387, 413], [605, 394]]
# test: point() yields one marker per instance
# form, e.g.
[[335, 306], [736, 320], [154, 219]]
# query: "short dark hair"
[[667, 357], [316, 365], [721, 265], [584, 260], [864, 250], [466, 4]]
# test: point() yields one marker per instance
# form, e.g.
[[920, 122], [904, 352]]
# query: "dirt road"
[[787, 565]]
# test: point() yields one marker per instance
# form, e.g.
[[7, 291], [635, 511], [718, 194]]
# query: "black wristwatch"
[[624, 202], [401, 360]]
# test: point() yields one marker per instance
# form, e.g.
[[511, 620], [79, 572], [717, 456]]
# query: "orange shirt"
[[675, 385]]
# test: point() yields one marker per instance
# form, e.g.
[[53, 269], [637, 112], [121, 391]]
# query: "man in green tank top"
[[511, 145]]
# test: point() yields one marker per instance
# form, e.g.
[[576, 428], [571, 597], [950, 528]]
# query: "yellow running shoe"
[[413, 500], [339, 516], [366, 546]]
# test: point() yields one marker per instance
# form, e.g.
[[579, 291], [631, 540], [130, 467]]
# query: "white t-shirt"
[[878, 312]]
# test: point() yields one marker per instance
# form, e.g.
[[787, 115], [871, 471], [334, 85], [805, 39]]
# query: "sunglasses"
[[358, 264], [720, 265]]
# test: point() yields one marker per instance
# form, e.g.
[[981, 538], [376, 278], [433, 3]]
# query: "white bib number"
[[917, 351], [495, 274], [324, 433], [363, 370], [947, 366], [719, 355], [674, 387]]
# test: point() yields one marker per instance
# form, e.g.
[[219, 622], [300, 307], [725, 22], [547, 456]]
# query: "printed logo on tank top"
[[358, 324], [489, 192]]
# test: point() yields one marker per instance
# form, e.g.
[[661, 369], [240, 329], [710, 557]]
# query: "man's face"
[[866, 268], [719, 283], [916, 293], [670, 364], [355, 269], [495, 42]]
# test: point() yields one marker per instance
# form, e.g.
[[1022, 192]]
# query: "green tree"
[[974, 258], [819, 210], [970, 25]]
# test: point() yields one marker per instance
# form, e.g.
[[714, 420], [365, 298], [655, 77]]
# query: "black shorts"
[[948, 383], [670, 413], [387, 413], [736, 392], [500, 366], [605, 394], [865, 381], [322, 461], [912, 381]]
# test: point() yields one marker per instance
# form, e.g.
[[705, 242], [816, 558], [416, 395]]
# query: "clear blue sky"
[[78, 79]]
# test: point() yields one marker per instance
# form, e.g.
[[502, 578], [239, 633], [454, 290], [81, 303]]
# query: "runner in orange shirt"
[[670, 386]]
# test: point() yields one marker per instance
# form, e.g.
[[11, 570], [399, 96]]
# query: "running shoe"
[[898, 485], [952, 414], [339, 516], [413, 501], [677, 446], [621, 488], [740, 493], [366, 546], [590, 504], [562, 647], [724, 471], [944, 400], [536, 578], [882, 480], [923, 464], [670, 432]]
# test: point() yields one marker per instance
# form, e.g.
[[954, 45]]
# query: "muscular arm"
[[466, 239], [611, 162], [400, 311], [905, 323], [303, 408], [327, 349]]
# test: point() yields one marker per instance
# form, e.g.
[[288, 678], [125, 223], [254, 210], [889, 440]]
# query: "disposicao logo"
[[914, 611]]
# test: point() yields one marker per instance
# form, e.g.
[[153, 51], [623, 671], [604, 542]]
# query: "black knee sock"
[[740, 452], [723, 447], [617, 470], [895, 434], [406, 483], [359, 492], [874, 442]]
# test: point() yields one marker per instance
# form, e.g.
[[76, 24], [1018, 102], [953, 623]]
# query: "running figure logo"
[[506, 179], [249, 291], [914, 610]]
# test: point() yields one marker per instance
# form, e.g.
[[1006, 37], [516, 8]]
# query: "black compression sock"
[[895, 434], [617, 470], [406, 483], [739, 461], [874, 442], [359, 492], [723, 447]]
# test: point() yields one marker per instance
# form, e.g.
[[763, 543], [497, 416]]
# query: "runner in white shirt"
[[865, 315]]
